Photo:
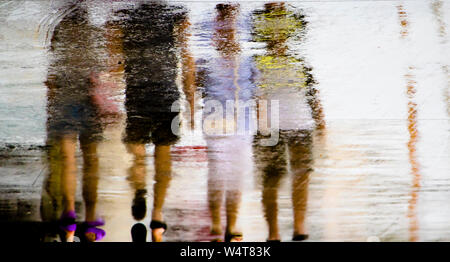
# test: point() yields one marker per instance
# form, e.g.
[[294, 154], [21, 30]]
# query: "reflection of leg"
[[68, 177], [90, 182], [299, 199], [51, 201], [69, 171], [233, 200], [90, 177], [137, 176], [188, 66], [301, 165], [215, 198], [269, 199], [162, 179], [271, 162]]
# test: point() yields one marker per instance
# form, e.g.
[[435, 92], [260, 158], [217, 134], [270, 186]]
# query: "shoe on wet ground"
[[139, 233], [300, 237]]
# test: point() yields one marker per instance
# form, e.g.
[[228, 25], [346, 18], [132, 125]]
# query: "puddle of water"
[[119, 113]]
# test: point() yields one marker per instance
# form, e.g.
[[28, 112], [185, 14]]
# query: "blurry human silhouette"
[[153, 37], [77, 108], [284, 77], [227, 87]]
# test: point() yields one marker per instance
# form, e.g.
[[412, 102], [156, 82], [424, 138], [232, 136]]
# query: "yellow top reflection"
[[275, 25]]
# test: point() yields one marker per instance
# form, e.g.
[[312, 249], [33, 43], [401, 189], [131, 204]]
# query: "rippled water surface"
[[111, 118]]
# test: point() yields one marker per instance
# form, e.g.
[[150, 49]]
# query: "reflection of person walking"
[[151, 65], [229, 144], [74, 114], [284, 77]]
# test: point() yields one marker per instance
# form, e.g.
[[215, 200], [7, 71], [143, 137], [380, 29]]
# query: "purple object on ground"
[[68, 216], [99, 233]]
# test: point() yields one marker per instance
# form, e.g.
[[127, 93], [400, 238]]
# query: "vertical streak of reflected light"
[[413, 135], [403, 21], [412, 146]]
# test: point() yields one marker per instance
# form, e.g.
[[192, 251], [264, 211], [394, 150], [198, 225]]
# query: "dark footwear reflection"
[[158, 229], [139, 207], [139, 233]]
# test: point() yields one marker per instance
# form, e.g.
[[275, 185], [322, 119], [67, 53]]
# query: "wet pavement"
[[116, 114]]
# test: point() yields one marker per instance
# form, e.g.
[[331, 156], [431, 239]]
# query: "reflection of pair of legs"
[[227, 159], [272, 163], [232, 200], [62, 158], [137, 177]]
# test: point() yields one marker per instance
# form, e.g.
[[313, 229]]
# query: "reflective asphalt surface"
[[88, 150]]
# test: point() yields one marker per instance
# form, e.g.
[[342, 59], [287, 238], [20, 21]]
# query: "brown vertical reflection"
[[403, 21], [412, 146], [436, 7], [224, 38], [188, 68], [413, 134], [447, 89]]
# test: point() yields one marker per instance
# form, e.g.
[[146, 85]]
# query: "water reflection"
[[436, 7], [229, 154], [412, 145], [413, 136], [116, 68], [152, 35], [145, 49], [403, 21], [285, 78], [77, 109]]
